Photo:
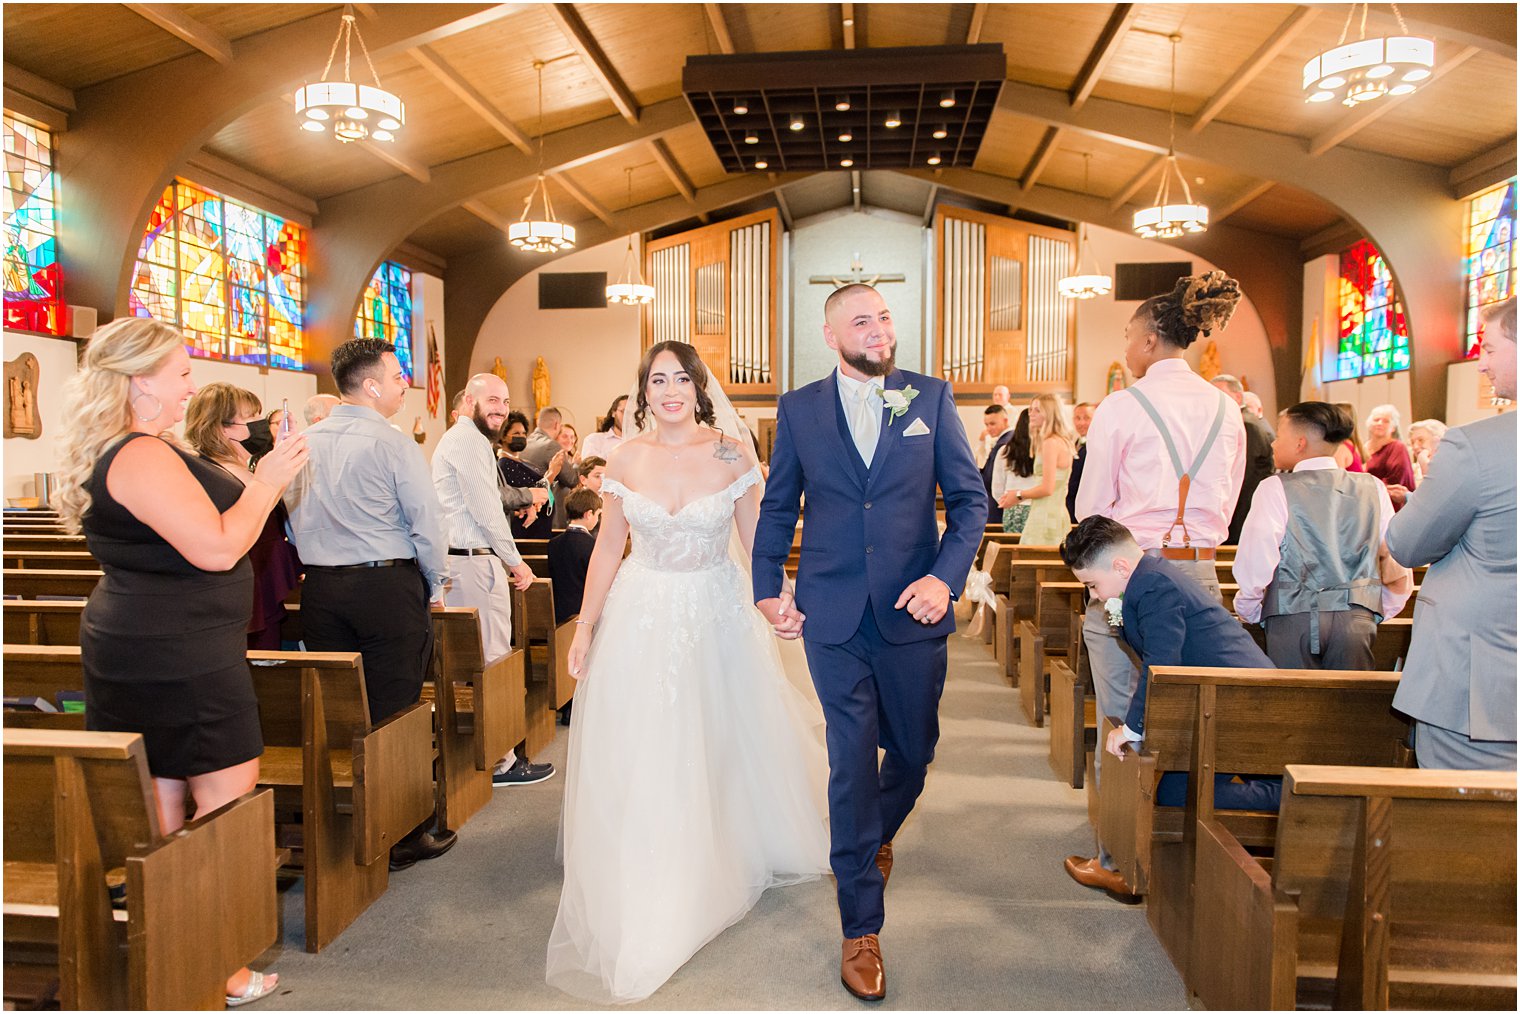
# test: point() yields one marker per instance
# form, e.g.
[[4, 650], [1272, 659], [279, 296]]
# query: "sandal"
[[259, 986]]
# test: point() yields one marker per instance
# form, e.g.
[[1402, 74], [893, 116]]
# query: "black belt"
[[469, 552], [408, 562]]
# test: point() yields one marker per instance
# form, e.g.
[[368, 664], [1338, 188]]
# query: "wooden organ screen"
[[715, 288], [999, 316]]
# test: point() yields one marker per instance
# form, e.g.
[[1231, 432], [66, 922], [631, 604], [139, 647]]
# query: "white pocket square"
[[917, 429]]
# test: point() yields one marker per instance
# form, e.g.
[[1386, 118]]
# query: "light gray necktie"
[[867, 423]]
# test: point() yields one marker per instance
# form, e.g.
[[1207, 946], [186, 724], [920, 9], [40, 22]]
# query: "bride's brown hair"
[[695, 369]]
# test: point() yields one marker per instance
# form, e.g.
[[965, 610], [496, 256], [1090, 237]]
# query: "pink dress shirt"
[[1129, 476], [1261, 544]]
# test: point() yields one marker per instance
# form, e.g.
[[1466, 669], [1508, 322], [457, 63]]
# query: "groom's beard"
[[872, 367]]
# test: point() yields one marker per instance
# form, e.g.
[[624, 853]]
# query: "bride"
[[697, 774]]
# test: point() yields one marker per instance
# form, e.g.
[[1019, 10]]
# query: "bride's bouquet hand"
[[579, 645]]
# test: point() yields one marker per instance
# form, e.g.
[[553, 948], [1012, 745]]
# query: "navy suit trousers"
[[874, 693]]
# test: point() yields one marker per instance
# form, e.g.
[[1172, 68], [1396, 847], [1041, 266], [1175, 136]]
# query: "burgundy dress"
[[276, 573], [1391, 463], [1356, 458]]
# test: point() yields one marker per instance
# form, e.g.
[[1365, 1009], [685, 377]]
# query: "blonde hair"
[[212, 408], [1055, 424], [97, 404]]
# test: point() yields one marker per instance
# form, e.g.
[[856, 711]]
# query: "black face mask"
[[517, 444], [259, 440]]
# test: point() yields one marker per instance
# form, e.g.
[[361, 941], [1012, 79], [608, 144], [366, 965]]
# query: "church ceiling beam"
[[1139, 180], [1492, 167], [471, 97], [39, 88], [678, 179], [1361, 118], [1040, 159], [719, 25], [1103, 51], [172, 19], [847, 24], [784, 208], [595, 58], [214, 171], [446, 28], [487, 215], [580, 196], [978, 20], [397, 159], [1254, 65], [1217, 215], [929, 203], [1490, 26]]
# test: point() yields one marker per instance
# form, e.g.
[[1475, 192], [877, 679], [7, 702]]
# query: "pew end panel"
[[392, 782]]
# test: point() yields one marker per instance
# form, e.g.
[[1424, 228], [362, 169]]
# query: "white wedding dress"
[[697, 775]]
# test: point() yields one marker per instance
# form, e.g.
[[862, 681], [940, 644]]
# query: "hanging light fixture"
[[1166, 218], [1367, 69], [547, 234], [630, 289], [1094, 283], [348, 106]]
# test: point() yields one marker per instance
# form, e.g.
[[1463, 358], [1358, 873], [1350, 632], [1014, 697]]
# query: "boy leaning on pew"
[[1311, 564], [570, 555], [1168, 619]]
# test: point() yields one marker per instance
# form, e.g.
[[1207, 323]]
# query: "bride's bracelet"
[[586, 623]]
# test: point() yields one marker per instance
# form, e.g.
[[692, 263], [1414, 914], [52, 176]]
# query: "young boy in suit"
[[1168, 619], [570, 552]]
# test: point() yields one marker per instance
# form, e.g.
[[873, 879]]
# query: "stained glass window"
[[33, 281], [1490, 267], [385, 311], [232, 277], [1374, 337]]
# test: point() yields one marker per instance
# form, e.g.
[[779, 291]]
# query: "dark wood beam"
[[1040, 159], [978, 20], [1254, 65], [720, 27], [1102, 52], [581, 197], [1217, 215], [579, 36], [1140, 179]]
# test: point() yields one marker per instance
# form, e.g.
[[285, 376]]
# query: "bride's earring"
[[158, 407]]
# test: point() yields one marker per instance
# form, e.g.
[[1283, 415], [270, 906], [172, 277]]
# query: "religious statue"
[[499, 369], [1115, 378], [540, 386], [418, 433], [1208, 365], [21, 418]]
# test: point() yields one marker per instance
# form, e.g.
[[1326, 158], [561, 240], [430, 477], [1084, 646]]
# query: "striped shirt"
[[465, 475]]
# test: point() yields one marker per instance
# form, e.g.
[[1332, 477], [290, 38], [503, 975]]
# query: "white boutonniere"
[[897, 400], [1113, 611]]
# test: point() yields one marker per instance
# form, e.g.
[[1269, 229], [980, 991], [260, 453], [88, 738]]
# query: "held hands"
[[284, 462], [782, 614], [927, 600], [540, 495], [579, 645], [522, 577]]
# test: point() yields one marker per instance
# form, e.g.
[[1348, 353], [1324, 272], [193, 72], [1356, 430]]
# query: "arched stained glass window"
[[1374, 337], [231, 276], [33, 281], [385, 311], [1490, 268]]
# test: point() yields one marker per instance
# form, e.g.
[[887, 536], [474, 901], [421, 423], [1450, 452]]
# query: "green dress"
[[1048, 521]]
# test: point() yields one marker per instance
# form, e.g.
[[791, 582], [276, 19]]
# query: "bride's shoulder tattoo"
[[724, 451]]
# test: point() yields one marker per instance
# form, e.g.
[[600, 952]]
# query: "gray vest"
[[1330, 549]]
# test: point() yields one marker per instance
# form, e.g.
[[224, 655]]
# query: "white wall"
[[592, 355]]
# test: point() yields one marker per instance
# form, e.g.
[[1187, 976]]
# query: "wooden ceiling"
[[476, 90]]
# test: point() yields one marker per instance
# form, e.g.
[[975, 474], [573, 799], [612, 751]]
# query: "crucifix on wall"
[[857, 275]]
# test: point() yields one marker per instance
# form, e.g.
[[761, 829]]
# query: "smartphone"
[[284, 418]]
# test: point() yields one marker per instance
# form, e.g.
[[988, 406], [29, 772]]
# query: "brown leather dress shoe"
[[884, 862], [860, 968], [1091, 873]]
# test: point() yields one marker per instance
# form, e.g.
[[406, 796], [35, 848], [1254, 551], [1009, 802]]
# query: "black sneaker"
[[523, 773], [416, 848]]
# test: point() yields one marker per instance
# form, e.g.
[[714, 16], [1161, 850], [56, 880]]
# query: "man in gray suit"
[[1459, 681]]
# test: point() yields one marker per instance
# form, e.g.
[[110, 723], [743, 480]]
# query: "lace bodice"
[[693, 538]]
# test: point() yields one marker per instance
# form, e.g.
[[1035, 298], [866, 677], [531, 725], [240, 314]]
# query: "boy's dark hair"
[[581, 502], [994, 410], [588, 465], [357, 359], [1091, 539], [1332, 424]]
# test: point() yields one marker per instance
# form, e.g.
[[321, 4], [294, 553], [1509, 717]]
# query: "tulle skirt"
[[696, 779]]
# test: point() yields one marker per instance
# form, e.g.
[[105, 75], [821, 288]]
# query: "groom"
[[867, 446]]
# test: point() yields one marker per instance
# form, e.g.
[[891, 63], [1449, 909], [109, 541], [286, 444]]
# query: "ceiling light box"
[[793, 106]]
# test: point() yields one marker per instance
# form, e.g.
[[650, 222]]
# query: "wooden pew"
[[550, 685], [1239, 721], [201, 902], [28, 542], [1015, 593], [1048, 633], [990, 536], [30, 584], [1386, 888], [56, 559], [538, 564], [358, 787]]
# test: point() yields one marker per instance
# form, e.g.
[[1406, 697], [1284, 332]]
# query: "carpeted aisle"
[[979, 914]]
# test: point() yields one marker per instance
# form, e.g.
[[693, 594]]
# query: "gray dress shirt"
[[541, 450], [365, 494], [467, 480]]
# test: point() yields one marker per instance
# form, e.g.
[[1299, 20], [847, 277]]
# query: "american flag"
[[434, 374]]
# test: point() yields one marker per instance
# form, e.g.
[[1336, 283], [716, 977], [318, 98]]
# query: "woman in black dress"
[[163, 637]]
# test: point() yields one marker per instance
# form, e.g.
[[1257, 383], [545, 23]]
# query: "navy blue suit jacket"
[[1170, 620], [994, 512], [868, 533]]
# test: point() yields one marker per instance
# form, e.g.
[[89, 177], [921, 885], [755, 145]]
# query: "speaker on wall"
[[572, 290], [1142, 281]]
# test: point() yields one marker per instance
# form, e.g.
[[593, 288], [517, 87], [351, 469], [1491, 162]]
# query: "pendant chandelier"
[[630, 289], [348, 106], [1367, 69], [1079, 285], [1168, 218], [547, 234]]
